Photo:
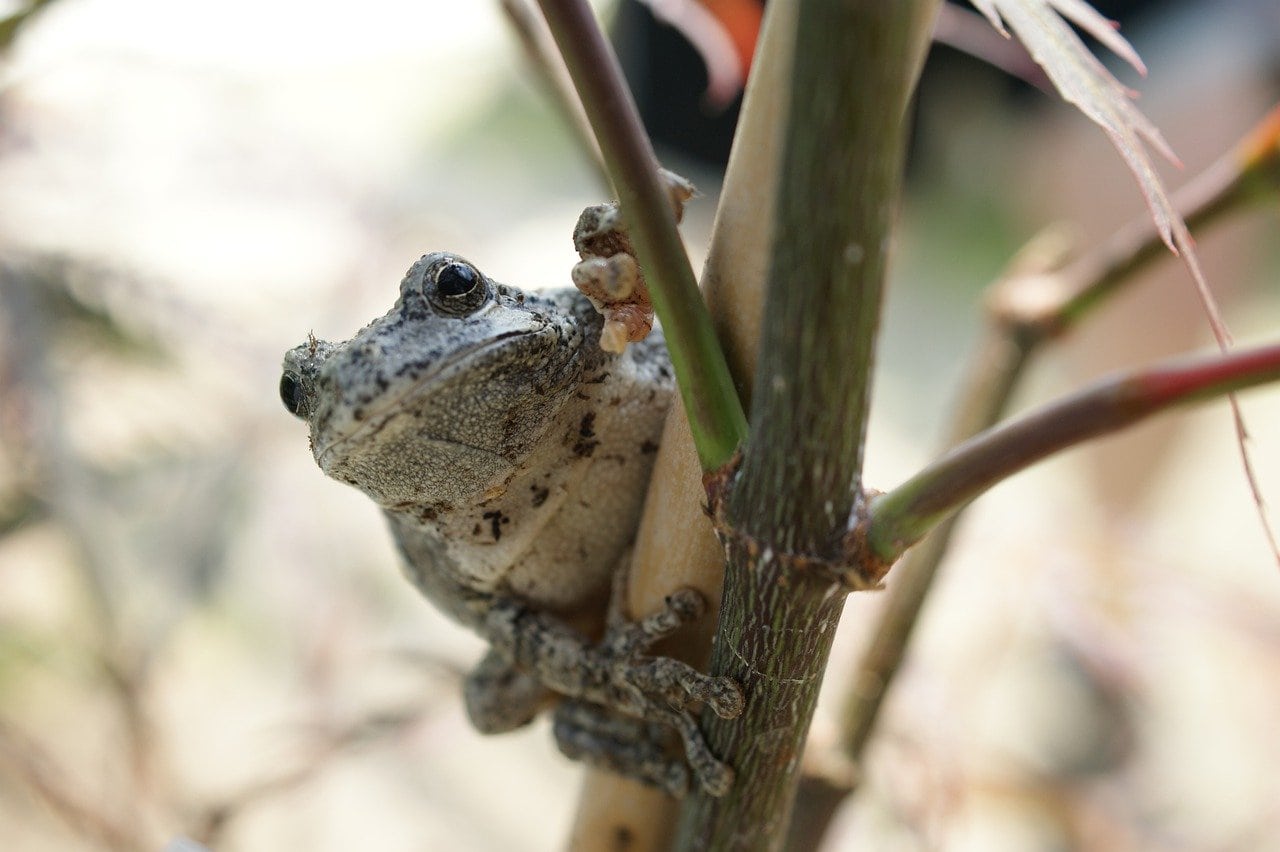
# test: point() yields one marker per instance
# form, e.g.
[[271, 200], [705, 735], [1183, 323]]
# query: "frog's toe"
[[627, 639], [499, 697], [686, 604], [716, 778], [713, 776], [630, 747], [724, 697]]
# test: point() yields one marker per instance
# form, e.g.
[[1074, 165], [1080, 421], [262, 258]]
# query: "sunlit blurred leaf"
[[1085, 82]]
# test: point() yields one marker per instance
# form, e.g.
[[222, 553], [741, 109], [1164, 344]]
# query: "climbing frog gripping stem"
[[510, 455]]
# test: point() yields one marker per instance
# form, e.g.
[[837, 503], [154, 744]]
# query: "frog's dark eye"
[[456, 280], [458, 289], [292, 396]]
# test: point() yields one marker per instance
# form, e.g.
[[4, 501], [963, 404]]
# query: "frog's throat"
[[377, 415], [411, 510]]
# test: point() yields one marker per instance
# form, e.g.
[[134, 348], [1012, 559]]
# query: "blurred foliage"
[[156, 569], [145, 535], [12, 25], [135, 541]]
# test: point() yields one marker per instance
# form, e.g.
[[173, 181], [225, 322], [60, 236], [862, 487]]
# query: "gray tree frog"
[[511, 454]]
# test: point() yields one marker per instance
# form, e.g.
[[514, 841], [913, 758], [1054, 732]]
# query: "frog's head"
[[443, 398]]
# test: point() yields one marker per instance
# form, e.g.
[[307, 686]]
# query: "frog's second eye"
[[292, 396], [459, 289]]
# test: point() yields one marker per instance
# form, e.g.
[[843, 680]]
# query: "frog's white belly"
[[555, 533]]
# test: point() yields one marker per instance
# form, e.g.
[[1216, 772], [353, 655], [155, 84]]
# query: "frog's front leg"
[[617, 675]]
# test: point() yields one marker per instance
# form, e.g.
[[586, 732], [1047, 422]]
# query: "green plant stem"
[[715, 414], [1248, 175], [1026, 309], [993, 373], [855, 63], [676, 544], [902, 516]]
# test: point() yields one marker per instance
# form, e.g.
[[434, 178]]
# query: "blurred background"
[[202, 636]]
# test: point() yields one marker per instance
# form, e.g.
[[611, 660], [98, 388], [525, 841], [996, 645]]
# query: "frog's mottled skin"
[[511, 456]]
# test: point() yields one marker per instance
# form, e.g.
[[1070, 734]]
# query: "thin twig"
[[9, 26], [127, 675], [215, 820], [716, 416]]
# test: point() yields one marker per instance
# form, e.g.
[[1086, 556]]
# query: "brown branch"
[[1249, 173], [902, 516], [1047, 303]]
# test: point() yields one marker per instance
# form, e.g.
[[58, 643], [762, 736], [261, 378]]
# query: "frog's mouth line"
[[376, 418]]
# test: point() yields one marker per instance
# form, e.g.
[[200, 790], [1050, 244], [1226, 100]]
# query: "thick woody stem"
[[1028, 307], [855, 64]]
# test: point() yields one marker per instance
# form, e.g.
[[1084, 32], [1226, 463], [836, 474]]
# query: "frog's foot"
[[614, 285], [676, 683], [609, 274], [500, 697], [606, 279], [601, 231], [629, 747], [618, 675], [660, 689]]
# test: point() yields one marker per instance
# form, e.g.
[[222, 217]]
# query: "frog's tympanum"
[[511, 454]]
